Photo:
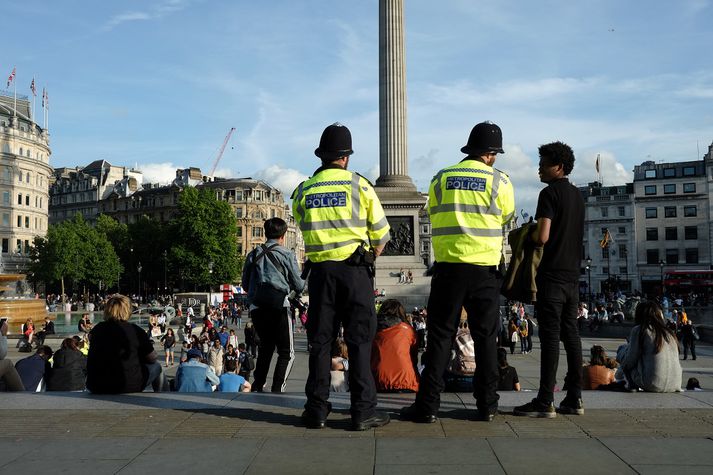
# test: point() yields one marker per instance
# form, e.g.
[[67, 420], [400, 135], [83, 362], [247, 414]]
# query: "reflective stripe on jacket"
[[469, 203], [338, 210]]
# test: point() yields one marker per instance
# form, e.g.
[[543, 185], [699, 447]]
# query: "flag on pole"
[[596, 165], [32, 88], [606, 239], [11, 77], [44, 94]]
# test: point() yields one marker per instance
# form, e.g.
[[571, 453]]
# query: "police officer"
[[469, 203], [344, 229]]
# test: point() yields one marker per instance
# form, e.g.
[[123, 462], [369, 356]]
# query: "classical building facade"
[[79, 190], [659, 222], [120, 194], [608, 208], [24, 180]]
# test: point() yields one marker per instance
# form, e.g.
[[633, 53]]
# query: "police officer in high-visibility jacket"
[[344, 230], [469, 203]]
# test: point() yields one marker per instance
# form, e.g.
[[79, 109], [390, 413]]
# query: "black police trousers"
[[341, 293], [454, 286]]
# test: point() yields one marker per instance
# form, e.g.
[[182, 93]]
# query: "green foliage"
[[75, 251], [204, 232]]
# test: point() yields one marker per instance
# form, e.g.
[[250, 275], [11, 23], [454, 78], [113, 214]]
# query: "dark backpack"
[[248, 364], [267, 295]]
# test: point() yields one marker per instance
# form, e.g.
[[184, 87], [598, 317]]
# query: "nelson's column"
[[401, 201]]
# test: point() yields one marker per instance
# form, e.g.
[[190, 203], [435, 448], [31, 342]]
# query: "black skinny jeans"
[[557, 319], [275, 330]]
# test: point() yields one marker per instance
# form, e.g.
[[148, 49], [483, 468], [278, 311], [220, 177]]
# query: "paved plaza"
[[261, 433]]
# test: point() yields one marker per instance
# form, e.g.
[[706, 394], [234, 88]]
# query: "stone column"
[[393, 150]]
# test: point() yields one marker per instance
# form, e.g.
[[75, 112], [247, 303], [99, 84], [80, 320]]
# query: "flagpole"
[[14, 87]]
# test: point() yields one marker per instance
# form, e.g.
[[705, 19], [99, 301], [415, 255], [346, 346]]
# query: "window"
[[605, 252], [6, 197], [239, 231], [648, 174], [257, 195], [671, 234], [669, 189], [650, 190], [27, 246], [19, 198], [19, 221], [622, 251], [19, 245], [652, 256], [605, 270], [5, 219], [257, 232], [621, 229], [671, 256], [689, 171], [27, 200], [669, 172], [273, 213], [27, 221], [692, 256], [239, 212], [621, 210], [5, 245], [690, 211], [623, 270], [689, 187], [27, 177], [690, 232], [652, 234], [240, 248], [605, 212], [238, 195], [669, 211]]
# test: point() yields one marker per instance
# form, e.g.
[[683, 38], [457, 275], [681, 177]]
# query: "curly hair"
[[558, 153]]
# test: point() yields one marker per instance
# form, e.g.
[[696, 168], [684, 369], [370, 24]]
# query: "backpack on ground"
[[463, 363], [267, 294]]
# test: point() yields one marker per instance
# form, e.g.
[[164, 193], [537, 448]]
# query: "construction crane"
[[220, 152]]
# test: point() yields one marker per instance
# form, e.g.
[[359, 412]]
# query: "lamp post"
[[589, 274], [210, 275], [165, 257], [663, 289], [139, 269]]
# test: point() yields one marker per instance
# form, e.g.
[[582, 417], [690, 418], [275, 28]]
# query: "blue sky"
[[160, 83]]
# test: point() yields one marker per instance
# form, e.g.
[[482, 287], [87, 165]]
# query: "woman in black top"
[[169, 342], [507, 380], [69, 368], [121, 355]]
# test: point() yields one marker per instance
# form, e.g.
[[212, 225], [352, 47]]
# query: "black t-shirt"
[[507, 379], [561, 202], [117, 357]]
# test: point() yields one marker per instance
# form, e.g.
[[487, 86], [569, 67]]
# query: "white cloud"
[[159, 172], [160, 10], [284, 179], [612, 171]]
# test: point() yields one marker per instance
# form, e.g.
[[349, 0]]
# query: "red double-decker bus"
[[685, 282]]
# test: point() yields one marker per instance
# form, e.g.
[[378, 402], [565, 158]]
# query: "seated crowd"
[[117, 356]]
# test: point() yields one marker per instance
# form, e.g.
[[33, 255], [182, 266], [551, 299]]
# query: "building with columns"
[[658, 223], [24, 181]]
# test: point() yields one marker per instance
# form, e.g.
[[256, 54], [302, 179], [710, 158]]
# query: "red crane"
[[220, 152]]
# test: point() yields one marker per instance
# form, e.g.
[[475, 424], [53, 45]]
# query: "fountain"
[[18, 303]]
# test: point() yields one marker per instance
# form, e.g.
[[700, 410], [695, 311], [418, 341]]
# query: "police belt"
[[361, 257]]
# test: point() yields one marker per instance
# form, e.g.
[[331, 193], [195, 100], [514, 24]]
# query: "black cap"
[[336, 142], [485, 137]]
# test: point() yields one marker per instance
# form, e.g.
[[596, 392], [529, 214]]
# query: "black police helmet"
[[336, 142], [485, 137]]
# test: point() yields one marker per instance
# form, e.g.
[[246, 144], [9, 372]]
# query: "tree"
[[204, 232], [76, 251]]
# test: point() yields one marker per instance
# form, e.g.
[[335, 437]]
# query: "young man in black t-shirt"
[[560, 228]]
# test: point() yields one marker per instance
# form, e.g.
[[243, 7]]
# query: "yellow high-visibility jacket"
[[469, 203], [337, 211]]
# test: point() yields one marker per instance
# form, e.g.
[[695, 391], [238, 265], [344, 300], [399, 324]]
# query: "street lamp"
[[165, 256], [210, 272], [589, 274], [663, 289], [139, 269]]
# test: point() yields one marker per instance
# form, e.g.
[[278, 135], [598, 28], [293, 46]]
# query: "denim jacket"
[[268, 272]]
